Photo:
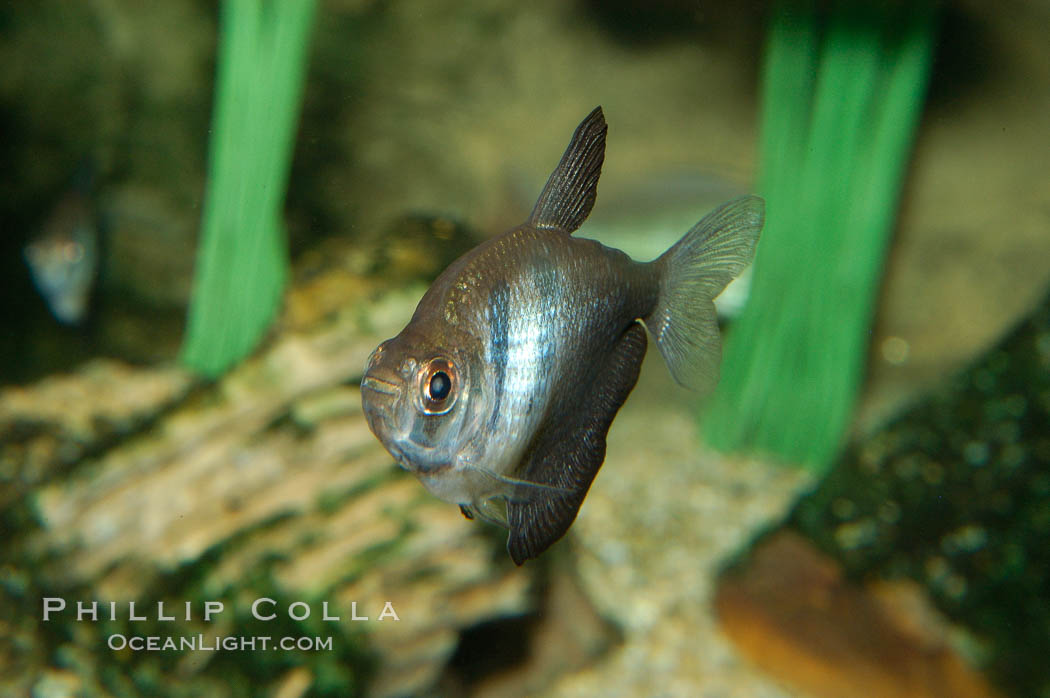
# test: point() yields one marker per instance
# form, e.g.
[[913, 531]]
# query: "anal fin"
[[568, 453]]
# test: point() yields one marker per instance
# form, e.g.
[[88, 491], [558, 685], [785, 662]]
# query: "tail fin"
[[695, 270]]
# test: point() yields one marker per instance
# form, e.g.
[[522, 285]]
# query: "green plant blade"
[[242, 261], [841, 102]]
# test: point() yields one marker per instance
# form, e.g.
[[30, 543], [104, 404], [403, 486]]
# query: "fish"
[[63, 257], [500, 391]]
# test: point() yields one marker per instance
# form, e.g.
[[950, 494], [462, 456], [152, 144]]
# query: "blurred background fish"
[[63, 257]]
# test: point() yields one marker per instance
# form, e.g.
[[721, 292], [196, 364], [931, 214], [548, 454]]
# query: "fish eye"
[[438, 385]]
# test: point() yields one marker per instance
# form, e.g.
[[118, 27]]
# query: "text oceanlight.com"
[[206, 643]]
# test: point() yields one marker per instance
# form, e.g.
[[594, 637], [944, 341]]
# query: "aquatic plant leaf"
[[242, 261], [842, 96]]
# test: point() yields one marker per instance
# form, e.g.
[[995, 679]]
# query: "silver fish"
[[63, 258], [499, 393]]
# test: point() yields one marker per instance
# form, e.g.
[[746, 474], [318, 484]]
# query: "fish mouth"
[[378, 385], [379, 398]]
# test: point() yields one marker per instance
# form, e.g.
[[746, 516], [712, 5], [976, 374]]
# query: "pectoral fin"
[[569, 196], [507, 489], [568, 454]]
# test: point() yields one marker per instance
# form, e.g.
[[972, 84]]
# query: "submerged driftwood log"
[[143, 484]]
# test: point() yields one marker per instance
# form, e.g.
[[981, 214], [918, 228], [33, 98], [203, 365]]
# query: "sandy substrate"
[[663, 516]]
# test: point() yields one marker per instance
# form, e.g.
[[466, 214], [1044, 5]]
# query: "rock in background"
[[141, 484], [942, 517]]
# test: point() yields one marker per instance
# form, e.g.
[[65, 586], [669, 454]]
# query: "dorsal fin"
[[567, 199]]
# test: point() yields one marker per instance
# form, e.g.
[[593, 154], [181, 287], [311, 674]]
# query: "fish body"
[[500, 391], [649, 211]]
